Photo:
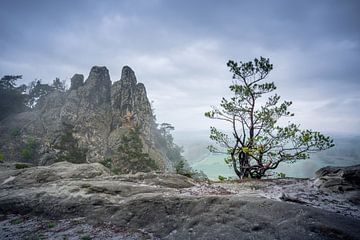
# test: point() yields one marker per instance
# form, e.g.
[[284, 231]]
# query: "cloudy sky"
[[179, 50]]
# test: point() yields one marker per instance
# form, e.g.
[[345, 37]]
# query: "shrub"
[[16, 221], [131, 151], [15, 132], [281, 175], [222, 178], [107, 163], [21, 165], [2, 157], [28, 151], [70, 150], [51, 225]]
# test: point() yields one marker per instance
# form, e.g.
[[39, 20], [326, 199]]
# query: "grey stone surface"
[[165, 206], [339, 179], [76, 81]]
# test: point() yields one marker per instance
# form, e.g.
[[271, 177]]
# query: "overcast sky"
[[179, 50]]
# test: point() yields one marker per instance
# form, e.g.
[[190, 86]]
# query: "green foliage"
[[107, 163], [12, 98], [165, 142], [281, 175], [15, 132], [131, 149], [29, 151], [86, 237], [2, 157], [26, 153], [258, 143], [16, 221], [59, 85], [180, 167], [70, 150], [51, 225], [222, 178], [38, 90], [21, 165]]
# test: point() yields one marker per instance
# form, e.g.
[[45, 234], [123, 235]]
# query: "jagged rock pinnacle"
[[77, 81], [128, 76], [98, 85]]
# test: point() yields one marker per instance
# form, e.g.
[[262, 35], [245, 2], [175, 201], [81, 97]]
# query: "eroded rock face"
[[77, 81], [163, 206], [339, 179], [92, 116]]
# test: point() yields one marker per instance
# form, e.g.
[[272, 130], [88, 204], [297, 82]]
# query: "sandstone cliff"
[[86, 123]]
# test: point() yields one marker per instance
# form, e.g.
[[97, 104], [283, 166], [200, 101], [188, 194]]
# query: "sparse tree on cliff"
[[12, 98], [258, 143]]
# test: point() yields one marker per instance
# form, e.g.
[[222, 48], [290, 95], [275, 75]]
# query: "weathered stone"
[[339, 179], [154, 204], [76, 81], [95, 113]]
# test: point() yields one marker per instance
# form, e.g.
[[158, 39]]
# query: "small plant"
[[86, 237], [51, 225], [16, 221], [21, 165], [15, 132], [180, 167], [28, 151], [222, 178], [69, 147], [1, 157], [281, 175], [107, 163]]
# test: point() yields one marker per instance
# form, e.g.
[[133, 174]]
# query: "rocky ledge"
[[86, 201]]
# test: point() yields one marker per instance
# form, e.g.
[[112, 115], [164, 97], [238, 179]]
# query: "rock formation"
[[87, 122], [167, 206]]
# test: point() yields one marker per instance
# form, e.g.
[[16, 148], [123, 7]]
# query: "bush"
[[70, 150], [28, 151], [107, 163], [222, 178], [21, 165], [15, 132], [131, 151], [2, 157], [281, 175]]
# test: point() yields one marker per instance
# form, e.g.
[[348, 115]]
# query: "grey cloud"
[[179, 49]]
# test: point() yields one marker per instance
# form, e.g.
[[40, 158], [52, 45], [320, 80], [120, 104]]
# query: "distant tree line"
[[15, 99]]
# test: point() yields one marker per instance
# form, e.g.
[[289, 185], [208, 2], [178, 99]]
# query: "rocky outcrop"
[[339, 179], [164, 206], [85, 123], [76, 81]]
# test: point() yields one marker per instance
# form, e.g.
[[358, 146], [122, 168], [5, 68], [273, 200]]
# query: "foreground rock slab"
[[164, 206]]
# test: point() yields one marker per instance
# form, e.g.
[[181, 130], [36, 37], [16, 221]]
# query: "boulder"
[[338, 179]]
